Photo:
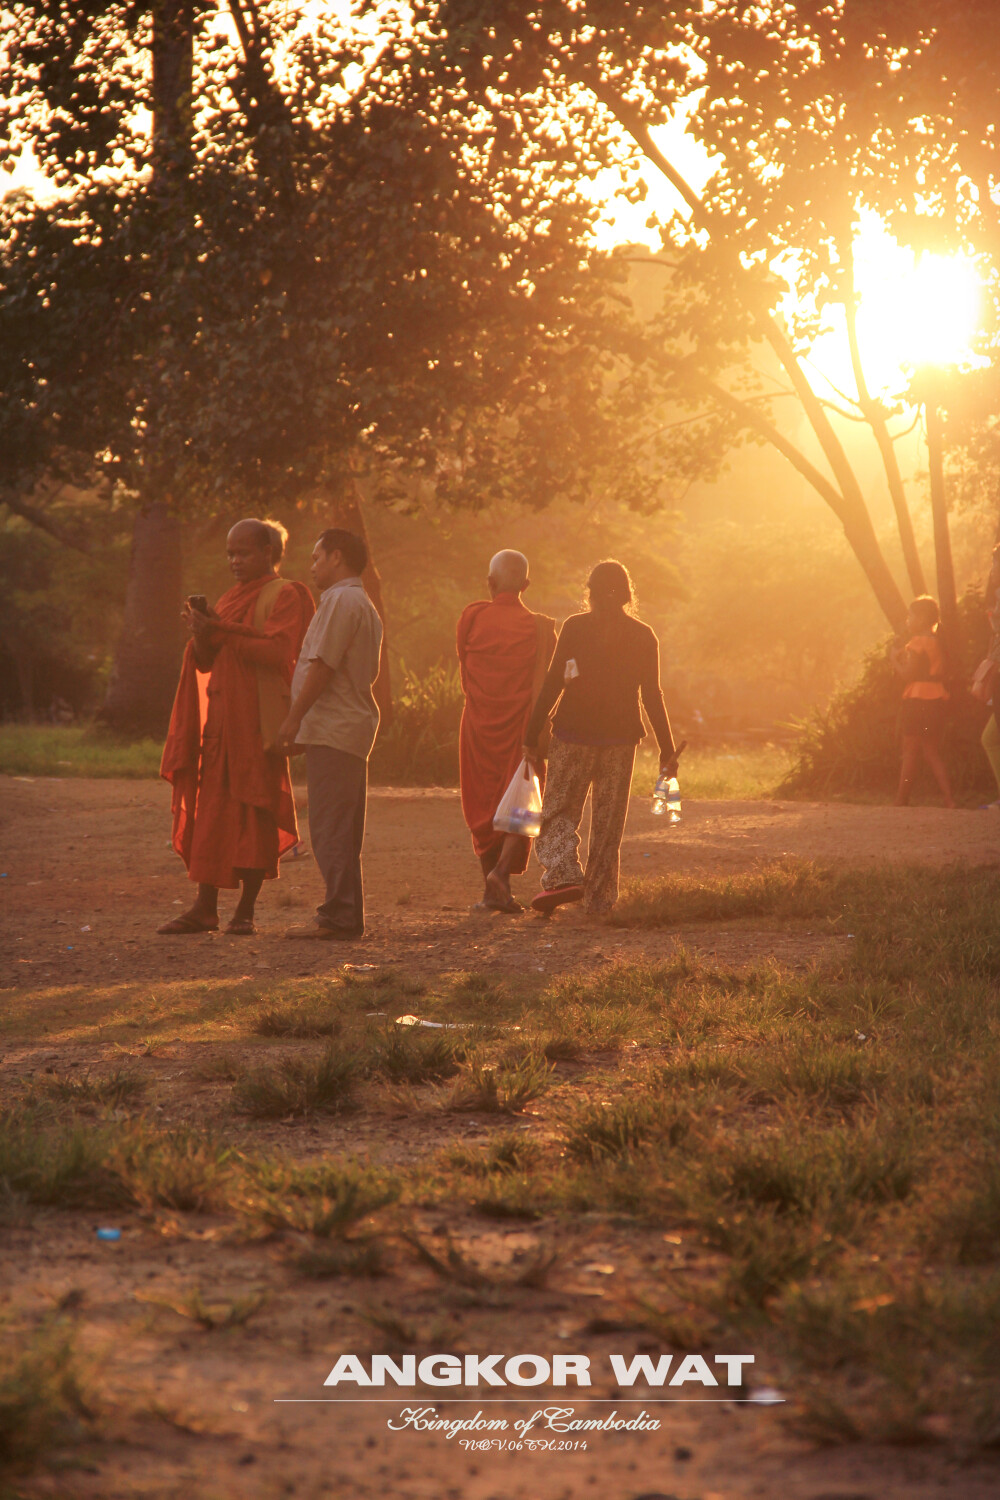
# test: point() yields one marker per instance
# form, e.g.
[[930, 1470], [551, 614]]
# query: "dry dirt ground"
[[86, 875]]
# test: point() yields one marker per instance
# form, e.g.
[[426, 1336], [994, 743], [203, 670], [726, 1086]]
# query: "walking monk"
[[234, 815], [503, 651]]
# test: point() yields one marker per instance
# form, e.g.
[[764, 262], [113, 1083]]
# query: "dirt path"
[[86, 876], [89, 875]]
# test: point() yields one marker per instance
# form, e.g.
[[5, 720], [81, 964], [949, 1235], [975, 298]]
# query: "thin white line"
[[525, 1401]]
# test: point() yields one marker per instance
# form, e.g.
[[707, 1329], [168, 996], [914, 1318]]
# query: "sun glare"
[[912, 311]]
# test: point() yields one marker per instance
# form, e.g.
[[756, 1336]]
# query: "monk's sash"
[[274, 693]]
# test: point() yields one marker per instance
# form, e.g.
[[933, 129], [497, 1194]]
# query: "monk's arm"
[[204, 640], [261, 650], [316, 679], [277, 645]]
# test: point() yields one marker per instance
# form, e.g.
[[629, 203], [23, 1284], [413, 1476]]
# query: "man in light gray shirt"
[[334, 715]]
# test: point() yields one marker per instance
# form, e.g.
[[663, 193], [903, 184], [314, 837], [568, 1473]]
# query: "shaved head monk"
[[504, 650], [234, 816]]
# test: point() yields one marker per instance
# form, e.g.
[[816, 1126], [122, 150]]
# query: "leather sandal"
[[185, 925]]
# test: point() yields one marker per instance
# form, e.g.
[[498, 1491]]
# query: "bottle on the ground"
[[667, 797]]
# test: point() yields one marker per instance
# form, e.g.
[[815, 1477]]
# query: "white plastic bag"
[[520, 809]]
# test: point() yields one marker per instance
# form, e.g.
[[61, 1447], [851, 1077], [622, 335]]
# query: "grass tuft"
[[601, 1132], [412, 1056], [210, 1315], [45, 1162], [302, 1020], [325, 1201], [185, 1170], [967, 1224], [114, 1090], [502, 1088], [298, 1087], [43, 1401]]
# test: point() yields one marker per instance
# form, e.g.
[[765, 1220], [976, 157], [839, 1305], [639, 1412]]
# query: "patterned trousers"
[[574, 770]]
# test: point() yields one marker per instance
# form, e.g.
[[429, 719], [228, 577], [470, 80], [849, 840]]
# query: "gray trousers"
[[338, 790]]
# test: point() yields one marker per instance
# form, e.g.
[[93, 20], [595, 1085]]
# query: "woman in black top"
[[604, 661]]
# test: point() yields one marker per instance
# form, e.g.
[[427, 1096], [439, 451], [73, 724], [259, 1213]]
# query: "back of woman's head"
[[925, 613], [609, 586]]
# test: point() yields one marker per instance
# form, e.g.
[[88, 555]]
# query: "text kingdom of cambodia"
[[473, 1370]]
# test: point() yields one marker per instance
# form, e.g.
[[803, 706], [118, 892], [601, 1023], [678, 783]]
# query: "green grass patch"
[[71, 750], [324, 1201], [298, 1086], [788, 889], [599, 1132], [412, 1055], [500, 1088], [742, 773]]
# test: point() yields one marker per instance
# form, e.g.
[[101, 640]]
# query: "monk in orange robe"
[[234, 816], [503, 650]]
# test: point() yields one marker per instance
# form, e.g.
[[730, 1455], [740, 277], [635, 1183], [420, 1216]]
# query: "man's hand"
[[285, 738], [534, 757], [198, 624]]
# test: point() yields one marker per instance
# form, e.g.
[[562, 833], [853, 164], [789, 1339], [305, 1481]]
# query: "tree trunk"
[[947, 593], [24, 668], [144, 676], [173, 81]]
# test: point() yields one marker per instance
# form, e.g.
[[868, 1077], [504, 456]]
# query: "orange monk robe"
[[232, 800], [499, 644]]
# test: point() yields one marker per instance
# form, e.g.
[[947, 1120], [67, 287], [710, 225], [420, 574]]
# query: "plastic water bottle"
[[667, 797], [526, 821]]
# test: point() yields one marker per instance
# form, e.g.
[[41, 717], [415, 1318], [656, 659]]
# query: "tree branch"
[[39, 518], [875, 417], [853, 509], [860, 537]]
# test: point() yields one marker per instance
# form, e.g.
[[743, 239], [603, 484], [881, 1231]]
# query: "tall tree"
[[334, 281], [808, 111], [144, 673]]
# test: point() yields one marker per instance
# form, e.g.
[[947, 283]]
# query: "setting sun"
[[913, 311]]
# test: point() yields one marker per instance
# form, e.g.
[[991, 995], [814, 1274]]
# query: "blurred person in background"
[[503, 651], [925, 699], [605, 661]]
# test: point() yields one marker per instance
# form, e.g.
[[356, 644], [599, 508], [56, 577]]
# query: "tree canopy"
[[366, 241], [810, 114], [340, 269]]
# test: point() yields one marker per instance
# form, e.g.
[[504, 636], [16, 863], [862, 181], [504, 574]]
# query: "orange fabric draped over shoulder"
[[232, 801], [499, 643]]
